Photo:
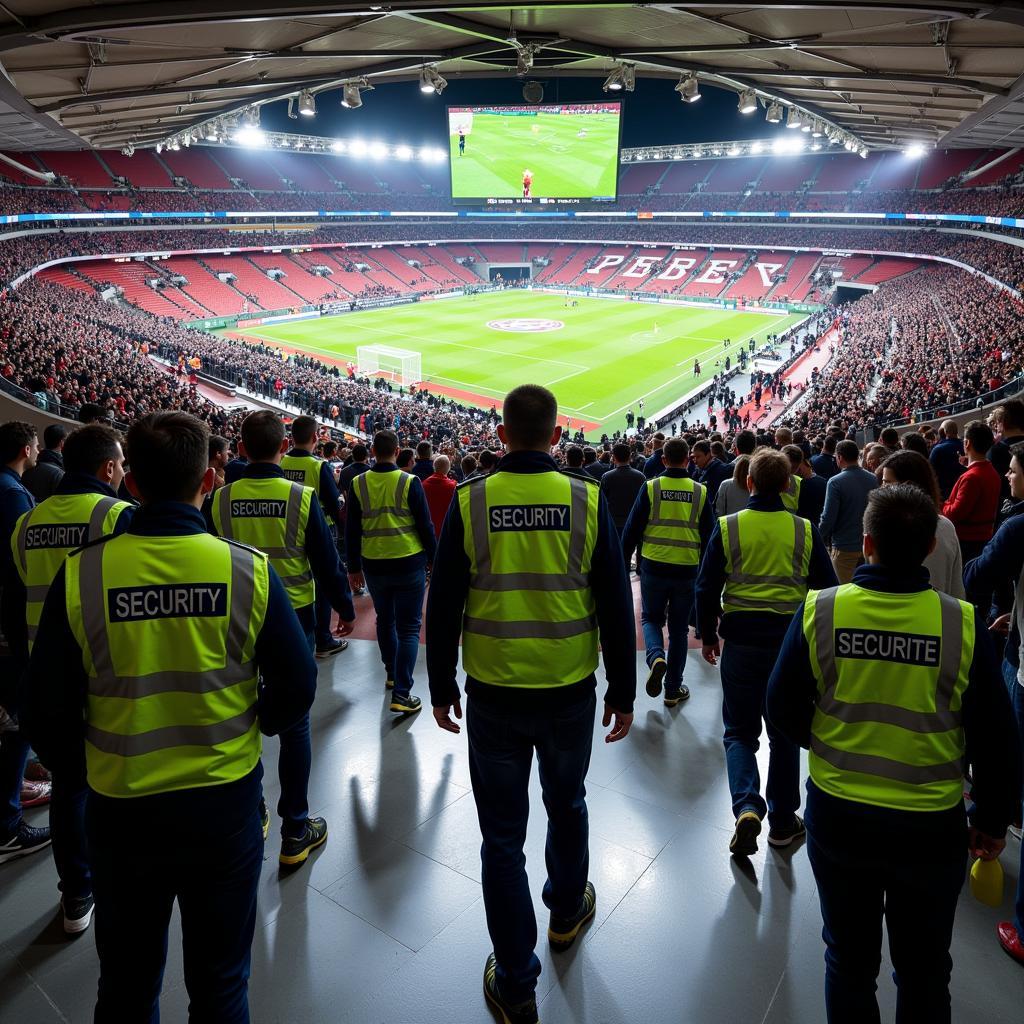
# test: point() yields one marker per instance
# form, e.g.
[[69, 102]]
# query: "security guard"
[[672, 519], [757, 568], [83, 508], [161, 656], [791, 495], [283, 520], [530, 573], [301, 466], [389, 538], [896, 691]]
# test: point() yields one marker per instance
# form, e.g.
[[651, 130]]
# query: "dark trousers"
[[501, 746], [665, 598], [294, 762], [13, 756], [871, 862], [1017, 700], [213, 877], [745, 672], [398, 602], [971, 549], [67, 832]]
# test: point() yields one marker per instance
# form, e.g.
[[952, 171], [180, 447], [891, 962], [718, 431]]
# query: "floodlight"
[[337, 146], [747, 102], [774, 113], [614, 80], [794, 118], [688, 88], [358, 148], [432, 82], [915, 150], [352, 93], [378, 150], [307, 103], [403, 152], [249, 136]]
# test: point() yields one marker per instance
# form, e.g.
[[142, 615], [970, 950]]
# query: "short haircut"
[[829, 446], [468, 465], [487, 460], [675, 452], [15, 435], [1013, 416], [360, 453], [718, 450], [901, 521], [889, 437], [914, 443], [770, 470], [385, 444], [741, 470], [704, 447], [424, 450], [950, 428], [847, 450], [303, 430], [574, 456], [911, 467], [529, 415], [980, 436], [659, 436], [795, 454], [589, 456], [1017, 452], [746, 442], [262, 434], [442, 464], [406, 457], [620, 451], [54, 434], [218, 446], [90, 412], [330, 449], [783, 436], [89, 447], [169, 456]]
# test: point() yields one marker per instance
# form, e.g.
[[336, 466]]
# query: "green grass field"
[[499, 147], [607, 355]]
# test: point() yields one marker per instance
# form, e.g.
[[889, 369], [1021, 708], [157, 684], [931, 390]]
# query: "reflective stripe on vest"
[[768, 557], [281, 538], [530, 617], [891, 671], [60, 524], [791, 495], [167, 628], [672, 533], [389, 530]]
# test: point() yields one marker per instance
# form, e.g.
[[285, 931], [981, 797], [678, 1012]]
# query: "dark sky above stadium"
[[399, 112]]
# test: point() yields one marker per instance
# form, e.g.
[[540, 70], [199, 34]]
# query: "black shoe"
[[264, 819], [77, 914], [518, 1013], [744, 838], [25, 841], [672, 699], [656, 675], [336, 646], [406, 705], [562, 931], [791, 833], [295, 851]]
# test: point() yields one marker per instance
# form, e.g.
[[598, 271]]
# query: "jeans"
[[501, 746], [398, 602], [294, 761], [13, 757], [214, 878], [67, 833], [745, 672], [663, 596], [873, 861]]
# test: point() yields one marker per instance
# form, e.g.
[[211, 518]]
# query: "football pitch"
[[599, 358], [565, 163]]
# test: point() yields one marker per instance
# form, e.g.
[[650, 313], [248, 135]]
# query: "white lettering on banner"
[[641, 266], [715, 271], [605, 262], [677, 269], [768, 271]]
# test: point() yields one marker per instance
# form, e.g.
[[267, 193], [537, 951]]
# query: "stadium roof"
[[110, 74]]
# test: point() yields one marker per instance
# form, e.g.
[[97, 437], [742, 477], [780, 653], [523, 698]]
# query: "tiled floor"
[[385, 924]]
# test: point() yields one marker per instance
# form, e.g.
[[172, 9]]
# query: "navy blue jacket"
[[327, 492], [234, 469], [812, 498], [389, 566], [993, 746], [422, 468], [15, 501], [945, 460], [752, 629], [995, 572], [449, 587], [632, 535], [655, 465], [824, 466], [713, 475]]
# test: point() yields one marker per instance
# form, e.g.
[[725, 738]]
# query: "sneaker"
[[295, 851], [1014, 831], [656, 675], [562, 931], [264, 819], [744, 838], [406, 705], [77, 914], [8, 722], [511, 1013], [25, 841], [34, 794], [35, 772], [1010, 940], [791, 833], [672, 699], [335, 646]]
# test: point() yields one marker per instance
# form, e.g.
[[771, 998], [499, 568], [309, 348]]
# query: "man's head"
[[19, 445], [304, 432], [574, 456], [950, 429], [589, 456], [406, 458], [621, 453], [424, 450], [169, 457], [701, 453], [847, 453], [263, 437], [890, 437], [675, 453], [914, 443], [442, 464], [487, 460], [796, 458], [745, 443], [90, 412], [468, 465], [1013, 418], [978, 439], [529, 419], [783, 436], [658, 440], [219, 451], [768, 473], [53, 437], [385, 446], [95, 450], [899, 527], [360, 453], [829, 445]]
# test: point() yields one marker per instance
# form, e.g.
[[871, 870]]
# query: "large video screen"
[[539, 153]]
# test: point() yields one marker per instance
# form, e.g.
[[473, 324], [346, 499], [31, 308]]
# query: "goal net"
[[398, 364]]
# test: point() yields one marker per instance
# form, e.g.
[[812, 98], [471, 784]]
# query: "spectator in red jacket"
[[439, 489], [974, 500]]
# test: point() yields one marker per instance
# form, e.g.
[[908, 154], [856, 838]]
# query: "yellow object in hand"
[[987, 882]]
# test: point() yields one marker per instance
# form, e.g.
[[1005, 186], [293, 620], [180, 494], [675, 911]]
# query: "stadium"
[[714, 239]]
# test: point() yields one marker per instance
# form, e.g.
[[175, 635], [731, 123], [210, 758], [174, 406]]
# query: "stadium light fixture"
[[747, 102], [688, 88], [817, 129], [249, 136], [628, 77], [815, 145], [756, 148], [864, 153], [307, 103], [251, 117], [793, 118], [432, 82], [352, 92], [337, 146], [159, 147], [613, 82], [210, 134], [774, 113], [358, 148], [698, 153], [914, 151], [128, 150], [403, 152], [734, 150], [848, 144], [378, 150]]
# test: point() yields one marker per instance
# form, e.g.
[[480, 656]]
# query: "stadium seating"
[[141, 170]]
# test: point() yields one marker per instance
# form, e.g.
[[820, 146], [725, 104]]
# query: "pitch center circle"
[[525, 325]]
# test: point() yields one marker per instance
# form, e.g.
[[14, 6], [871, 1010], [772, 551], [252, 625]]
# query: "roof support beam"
[[986, 111]]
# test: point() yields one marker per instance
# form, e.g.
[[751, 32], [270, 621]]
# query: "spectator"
[[654, 464], [974, 501], [846, 497], [1010, 416], [824, 465], [812, 488], [620, 485], [42, 478], [733, 494], [424, 465], [712, 471], [574, 458], [945, 457], [439, 489]]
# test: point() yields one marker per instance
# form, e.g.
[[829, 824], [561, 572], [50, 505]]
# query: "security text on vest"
[[686, 496], [529, 517], [881, 645], [63, 535], [167, 601], [243, 508]]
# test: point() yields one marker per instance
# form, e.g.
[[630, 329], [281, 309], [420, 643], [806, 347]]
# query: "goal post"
[[400, 364]]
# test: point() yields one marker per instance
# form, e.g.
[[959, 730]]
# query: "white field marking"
[[582, 407], [565, 376]]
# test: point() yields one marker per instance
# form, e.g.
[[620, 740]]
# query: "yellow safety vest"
[[272, 515], [167, 627], [305, 470], [530, 618], [791, 495], [767, 560], [891, 672], [672, 533], [45, 535], [389, 530]]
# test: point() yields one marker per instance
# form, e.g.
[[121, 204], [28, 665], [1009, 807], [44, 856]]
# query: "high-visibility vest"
[[272, 515], [767, 559], [167, 627], [672, 533], [791, 495], [305, 470], [389, 530], [891, 672], [45, 535], [530, 618]]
